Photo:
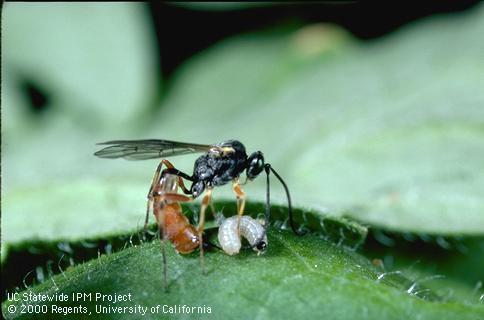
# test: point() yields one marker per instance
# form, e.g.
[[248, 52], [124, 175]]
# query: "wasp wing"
[[148, 149]]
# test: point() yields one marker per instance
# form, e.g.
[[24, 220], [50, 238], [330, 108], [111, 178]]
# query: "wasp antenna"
[[269, 168], [267, 212]]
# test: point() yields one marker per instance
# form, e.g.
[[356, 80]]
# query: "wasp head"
[[255, 165], [197, 188]]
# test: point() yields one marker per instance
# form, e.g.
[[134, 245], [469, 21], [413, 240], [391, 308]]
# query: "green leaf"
[[62, 251], [297, 277], [451, 267], [93, 62], [449, 274]]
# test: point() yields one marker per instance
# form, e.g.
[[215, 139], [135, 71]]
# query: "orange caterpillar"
[[173, 224], [164, 200]]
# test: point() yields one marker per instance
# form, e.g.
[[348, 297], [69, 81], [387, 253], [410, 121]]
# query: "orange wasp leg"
[[201, 224], [156, 181], [169, 165], [154, 184], [240, 194]]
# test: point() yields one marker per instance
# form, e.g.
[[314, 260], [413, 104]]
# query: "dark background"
[[182, 31]]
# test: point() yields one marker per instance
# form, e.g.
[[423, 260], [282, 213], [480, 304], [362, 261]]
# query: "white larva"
[[250, 229]]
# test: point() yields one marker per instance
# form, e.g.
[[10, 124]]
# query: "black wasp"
[[222, 163]]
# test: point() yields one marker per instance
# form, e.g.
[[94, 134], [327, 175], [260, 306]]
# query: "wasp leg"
[[156, 181], [201, 224], [212, 208], [154, 184], [240, 194], [163, 254], [169, 165], [158, 211], [178, 173], [176, 197]]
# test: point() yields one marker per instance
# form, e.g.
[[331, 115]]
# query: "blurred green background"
[[376, 119], [388, 131]]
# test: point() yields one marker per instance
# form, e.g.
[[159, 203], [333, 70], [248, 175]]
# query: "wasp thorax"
[[255, 165]]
